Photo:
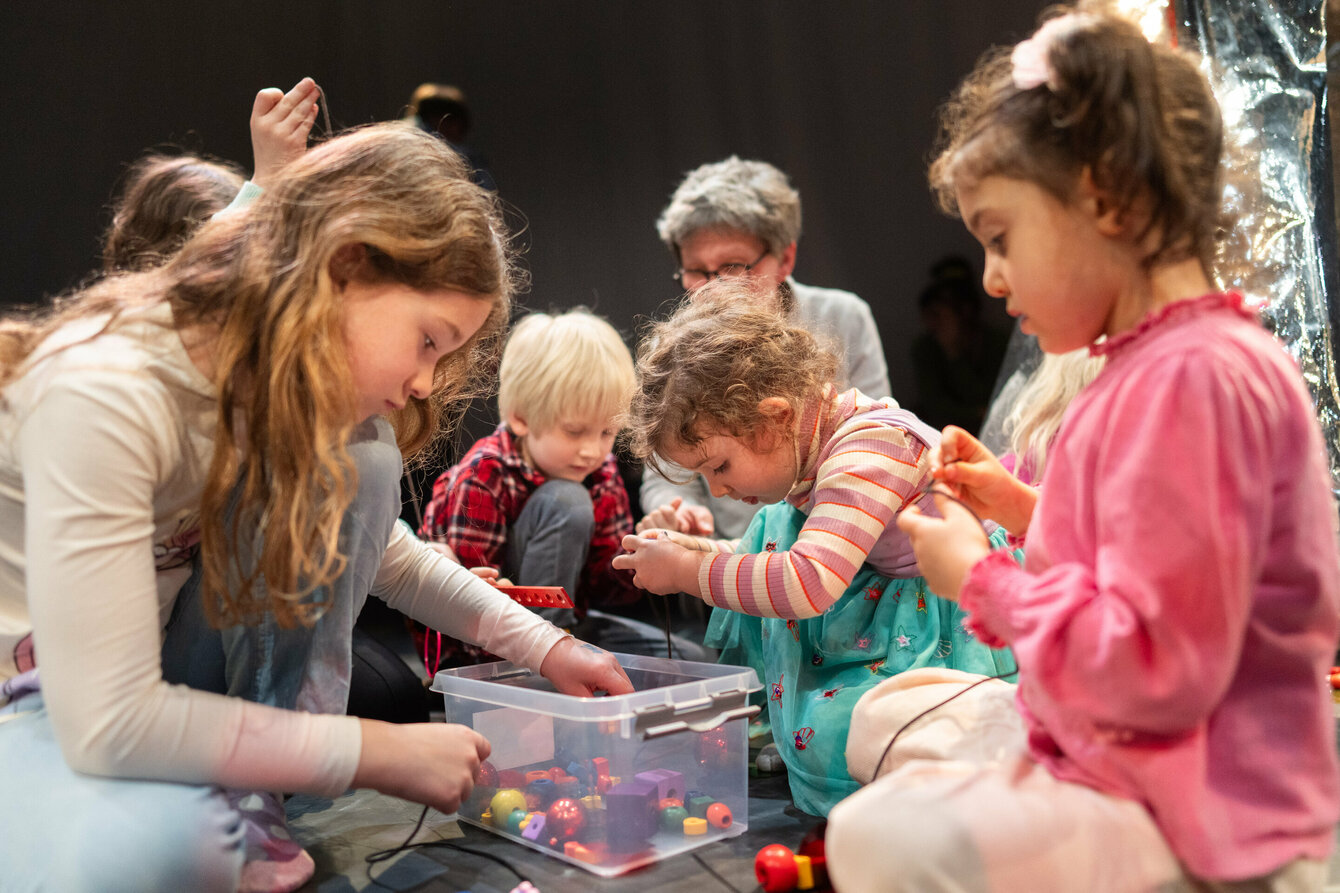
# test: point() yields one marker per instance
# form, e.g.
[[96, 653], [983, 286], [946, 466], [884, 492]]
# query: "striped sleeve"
[[869, 472]]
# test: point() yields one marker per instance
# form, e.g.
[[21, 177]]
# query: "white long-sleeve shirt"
[[104, 446]]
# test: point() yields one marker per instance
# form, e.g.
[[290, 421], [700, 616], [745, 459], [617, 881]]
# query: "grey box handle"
[[700, 715]]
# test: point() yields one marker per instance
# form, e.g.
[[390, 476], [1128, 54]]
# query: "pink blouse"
[[1178, 607]]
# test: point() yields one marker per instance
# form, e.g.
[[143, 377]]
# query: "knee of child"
[[567, 505], [179, 838], [929, 851]]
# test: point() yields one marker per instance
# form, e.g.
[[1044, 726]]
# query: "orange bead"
[[718, 815]]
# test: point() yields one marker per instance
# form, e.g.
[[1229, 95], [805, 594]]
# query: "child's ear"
[[346, 262], [778, 416], [517, 424], [1098, 203]]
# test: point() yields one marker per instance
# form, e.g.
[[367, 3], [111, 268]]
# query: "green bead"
[[697, 806], [672, 818], [514, 821]]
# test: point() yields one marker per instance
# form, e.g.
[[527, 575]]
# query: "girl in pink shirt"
[[1177, 609]]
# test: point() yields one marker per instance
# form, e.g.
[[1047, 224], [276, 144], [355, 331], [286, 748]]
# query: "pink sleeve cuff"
[[988, 617]]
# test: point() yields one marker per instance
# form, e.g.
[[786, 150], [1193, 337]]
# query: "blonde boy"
[[541, 498]]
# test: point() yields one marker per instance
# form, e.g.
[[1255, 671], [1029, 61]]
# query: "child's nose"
[[422, 384], [718, 490], [994, 282]]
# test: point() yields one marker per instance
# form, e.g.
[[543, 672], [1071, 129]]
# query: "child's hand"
[[659, 564], [972, 473], [580, 668], [695, 520], [430, 763], [946, 547], [280, 123]]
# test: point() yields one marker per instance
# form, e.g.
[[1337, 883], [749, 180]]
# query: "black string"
[[382, 855], [708, 868], [929, 709], [930, 488]]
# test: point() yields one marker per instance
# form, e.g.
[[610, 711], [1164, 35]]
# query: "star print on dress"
[[828, 693], [795, 629], [875, 667], [872, 593], [777, 689], [903, 640], [944, 648], [921, 602], [863, 642], [771, 546], [803, 736]]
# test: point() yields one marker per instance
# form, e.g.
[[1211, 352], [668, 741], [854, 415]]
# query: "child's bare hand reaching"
[[972, 473], [430, 763], [695, 520], [280, 124], [580, 668], [659, 563], [946, 547]]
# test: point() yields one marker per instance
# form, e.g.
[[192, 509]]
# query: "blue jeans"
[[70, 832]]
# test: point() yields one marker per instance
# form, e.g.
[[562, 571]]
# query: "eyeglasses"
[[694, 278]]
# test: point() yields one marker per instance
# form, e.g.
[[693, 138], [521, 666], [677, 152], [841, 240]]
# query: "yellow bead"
[[694, 826], [503, 803]]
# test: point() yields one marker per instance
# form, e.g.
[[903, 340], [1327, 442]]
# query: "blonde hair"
[[1040, 404], [569, 365], [262, 284], [706, 369], [1139, 116]]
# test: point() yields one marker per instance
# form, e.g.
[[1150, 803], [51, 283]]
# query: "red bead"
[[718, 815], [713, 749], [775, 868], [488, 776], [565, 819]]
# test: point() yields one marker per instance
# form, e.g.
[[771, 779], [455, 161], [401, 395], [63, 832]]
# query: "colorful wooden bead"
[[695, 826], [503, 803], [718, 815], [775, 868], [565, 818], [672, 818]]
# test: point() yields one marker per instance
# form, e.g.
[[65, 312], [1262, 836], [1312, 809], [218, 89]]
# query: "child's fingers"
[[911, 521], [266, 100], [297, 104]]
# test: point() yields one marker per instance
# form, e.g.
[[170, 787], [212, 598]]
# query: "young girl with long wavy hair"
[[199, 474], [1180, 599]]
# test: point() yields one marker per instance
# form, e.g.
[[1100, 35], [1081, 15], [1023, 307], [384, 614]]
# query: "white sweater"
[[104, 444]]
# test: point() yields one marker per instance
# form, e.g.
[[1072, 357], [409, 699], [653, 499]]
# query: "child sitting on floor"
[[1177, 612], [745, 398], [541, 499]]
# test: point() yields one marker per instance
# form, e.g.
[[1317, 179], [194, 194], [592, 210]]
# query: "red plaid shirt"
[[475, 502]]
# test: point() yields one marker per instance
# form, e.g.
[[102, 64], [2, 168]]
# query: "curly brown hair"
[[258, 287], [1139, 116], [706, 369]]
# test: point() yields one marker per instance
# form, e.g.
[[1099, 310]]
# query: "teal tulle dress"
[[814, 670]]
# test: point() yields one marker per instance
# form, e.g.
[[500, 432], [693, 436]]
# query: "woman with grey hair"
[[737, 218]]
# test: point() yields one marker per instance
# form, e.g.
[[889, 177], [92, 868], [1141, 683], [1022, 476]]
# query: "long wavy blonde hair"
[[260, 284]]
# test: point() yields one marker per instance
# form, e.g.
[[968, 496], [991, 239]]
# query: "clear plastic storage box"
[[610, 783]]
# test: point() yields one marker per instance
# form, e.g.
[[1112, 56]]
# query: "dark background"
[[589, 112]]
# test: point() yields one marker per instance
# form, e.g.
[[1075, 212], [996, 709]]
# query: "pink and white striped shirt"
[[860, 460]]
